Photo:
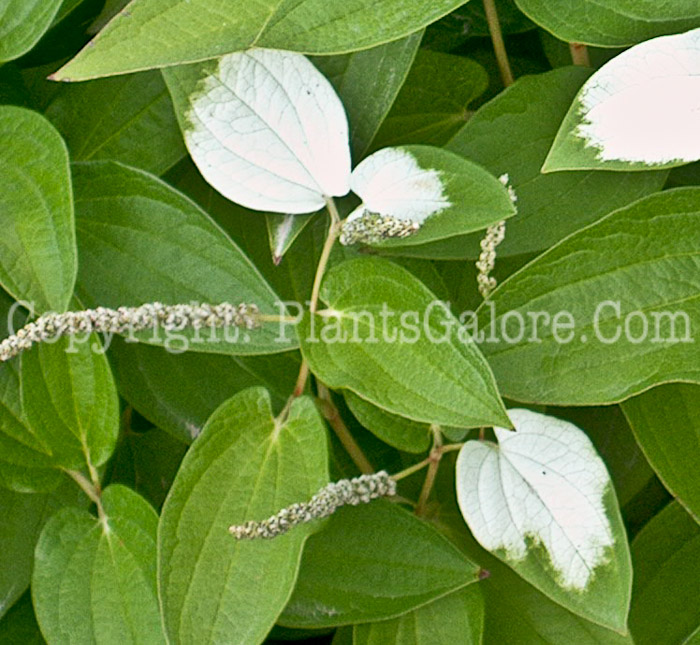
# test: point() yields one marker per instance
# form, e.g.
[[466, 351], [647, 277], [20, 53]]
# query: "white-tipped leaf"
[[416, 194], [390, 182], [641, 110], [542, 501], [265, 128]]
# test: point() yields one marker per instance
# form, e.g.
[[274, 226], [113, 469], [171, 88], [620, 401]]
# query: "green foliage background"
[[101, 205]]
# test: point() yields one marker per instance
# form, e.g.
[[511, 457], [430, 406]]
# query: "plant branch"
[[433, 465], [579, 54], [499, 46], [407, 472], [92, 490], [332, 415], [333, 232]]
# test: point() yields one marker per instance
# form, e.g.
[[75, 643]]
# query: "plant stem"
[[402, 474], [333, 231], [332, 415], [433, 466], [579, 54], [499, 47], [411, 470], [93, 491], [332, 236]]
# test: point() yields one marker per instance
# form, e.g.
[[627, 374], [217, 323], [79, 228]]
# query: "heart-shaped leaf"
[[639, 111], [265, 128], [245, 465], [542, 501], [94, 578], [387, 338]]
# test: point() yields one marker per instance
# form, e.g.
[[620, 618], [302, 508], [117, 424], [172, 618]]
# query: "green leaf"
[[23, 23], [283, 230], [354, 346], [265, 128], [611, 23], [432, 104], [457, 618], [158, 33], [152, 380], [608, 311], [23, 517], [70, 401], [95, 579], [374, 562], [368, 83], [293, 278], [437, 191], [542, 501], [142, 241], [24, 464], [657, 77], [666, 423], [516, 612], [244, 466], [19, 626], [666, 556], [549, 206], [112, 119], [37, 251], [398, 432]]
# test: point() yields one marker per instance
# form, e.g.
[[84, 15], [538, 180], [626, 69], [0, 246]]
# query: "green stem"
[[333, 232], [92, 490], [499, 46], [402, 474], [433, 466], [332, 415]]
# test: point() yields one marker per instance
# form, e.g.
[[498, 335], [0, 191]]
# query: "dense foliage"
[[357, 322]]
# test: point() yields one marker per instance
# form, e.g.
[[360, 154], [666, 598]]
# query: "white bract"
[[268, 131], [644, 105], [542, 485], [390, 182]]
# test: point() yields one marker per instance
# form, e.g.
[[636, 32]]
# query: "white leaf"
[[544, 485], [268, 131], [391, 183], [644, 105]]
